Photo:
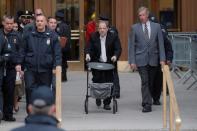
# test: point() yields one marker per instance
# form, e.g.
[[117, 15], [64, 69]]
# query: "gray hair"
[[143, 8]]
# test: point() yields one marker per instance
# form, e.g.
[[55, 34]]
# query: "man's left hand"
[[162, 63], [168, 62], [18, 68], [113, 59]]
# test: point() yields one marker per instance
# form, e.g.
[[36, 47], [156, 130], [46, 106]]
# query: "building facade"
[[176, 15]]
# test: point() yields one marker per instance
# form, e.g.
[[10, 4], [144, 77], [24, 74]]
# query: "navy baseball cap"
[[59, 14], [42, 97], [103, 18], [153, 18]]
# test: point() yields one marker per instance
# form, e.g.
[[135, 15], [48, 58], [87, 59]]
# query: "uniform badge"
[[14, 41], [58, 29], [48, 42]]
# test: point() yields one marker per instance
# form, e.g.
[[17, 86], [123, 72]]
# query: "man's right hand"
[[6, 57], [88, 57], [133, 66]]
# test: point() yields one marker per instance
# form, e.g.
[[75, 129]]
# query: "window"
[[168, 13]]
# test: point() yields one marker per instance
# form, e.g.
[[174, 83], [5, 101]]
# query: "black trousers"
[[64, 65], [147, 74], [35, 79], [8, 92], [116, 83], [1, 88], [103, 77], [156, 91]]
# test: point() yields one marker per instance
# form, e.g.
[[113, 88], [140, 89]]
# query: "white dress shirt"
[[149, 28], [103, 57]]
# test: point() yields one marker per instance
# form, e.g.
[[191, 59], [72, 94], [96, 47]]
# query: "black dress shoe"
[[1, 116], [98, 102], [117, 96], [11, 119], [157, 102], [107, 107], [143, 104], [146, 109]]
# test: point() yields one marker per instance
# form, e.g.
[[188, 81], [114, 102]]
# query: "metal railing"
[[174, 114], [185, 48]]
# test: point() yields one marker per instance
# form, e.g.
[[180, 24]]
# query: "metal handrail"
[[58, 98], [174, 108]]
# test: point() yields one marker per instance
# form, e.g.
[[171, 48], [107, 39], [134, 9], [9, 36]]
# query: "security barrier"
[[185, 48]]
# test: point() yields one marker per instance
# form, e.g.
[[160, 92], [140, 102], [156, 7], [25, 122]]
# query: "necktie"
[[146, 31]]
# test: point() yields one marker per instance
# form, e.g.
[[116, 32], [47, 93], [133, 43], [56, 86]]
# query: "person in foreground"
[[42, 110]]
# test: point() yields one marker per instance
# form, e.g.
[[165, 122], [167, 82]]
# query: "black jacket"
[[64, 30], [2, 44], [167, 44], [113, 46], [39, 123], [10, 47], [42, 51]]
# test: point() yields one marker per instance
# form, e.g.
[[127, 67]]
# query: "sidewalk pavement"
[[129, 116]]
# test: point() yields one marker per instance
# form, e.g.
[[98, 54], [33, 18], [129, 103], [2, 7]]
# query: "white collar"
[[147, 23], [103, 38]]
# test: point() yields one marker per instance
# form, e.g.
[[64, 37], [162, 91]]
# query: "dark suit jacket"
[[167, 44], [113, 46]]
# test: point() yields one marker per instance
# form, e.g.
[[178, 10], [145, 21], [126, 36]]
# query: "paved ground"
[[129, 116]]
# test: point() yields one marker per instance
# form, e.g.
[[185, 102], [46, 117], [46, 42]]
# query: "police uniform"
[[11, 48], [42, 53], [2, 43], [41, 121], [63, 30]]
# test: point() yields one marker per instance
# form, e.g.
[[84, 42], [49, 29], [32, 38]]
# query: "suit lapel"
[[106, 41], [99, 42], [152, 30]]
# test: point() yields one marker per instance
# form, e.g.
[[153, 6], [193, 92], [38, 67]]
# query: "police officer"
[[11, 63], [25, 18], [2, 43], [42, 110], [64, 32], [42, 53], [156, 92]]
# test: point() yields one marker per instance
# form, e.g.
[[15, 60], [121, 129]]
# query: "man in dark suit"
[[104, 47], [146, 52], [114, 31], [156, 92]]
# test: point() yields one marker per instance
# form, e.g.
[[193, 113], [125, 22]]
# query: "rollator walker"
[[100, 90]]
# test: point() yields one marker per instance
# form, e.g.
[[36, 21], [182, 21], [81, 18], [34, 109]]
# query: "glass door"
[[74, 16]]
